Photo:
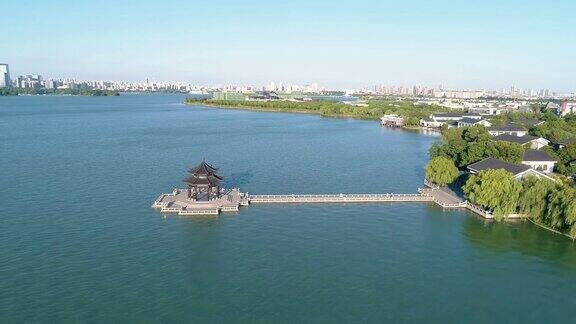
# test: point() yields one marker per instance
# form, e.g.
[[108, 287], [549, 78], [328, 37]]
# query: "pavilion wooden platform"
[[179, 203]]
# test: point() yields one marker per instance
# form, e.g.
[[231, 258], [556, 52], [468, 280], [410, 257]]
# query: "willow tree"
[[441, 171], [561, 212], [496, 190], [535, 197]]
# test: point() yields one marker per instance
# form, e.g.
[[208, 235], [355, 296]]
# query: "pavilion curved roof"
[[204, 174], [203, 168]]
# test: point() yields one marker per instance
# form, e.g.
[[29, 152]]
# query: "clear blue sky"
[[489, 44]]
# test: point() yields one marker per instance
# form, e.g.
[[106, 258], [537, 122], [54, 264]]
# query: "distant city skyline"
[[35, 80], [349, 44]]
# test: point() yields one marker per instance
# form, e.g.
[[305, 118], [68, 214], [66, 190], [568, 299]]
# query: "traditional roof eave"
[[538, 173], [202, 181], [492, 163]]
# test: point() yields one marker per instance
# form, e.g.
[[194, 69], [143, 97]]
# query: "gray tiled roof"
[[468, 120], [456, 114], [506, 128], [536, 155], [448, 115], [529, 121], [492, 163], [515, 139]]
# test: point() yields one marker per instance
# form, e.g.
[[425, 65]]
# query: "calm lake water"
[[80, 243]]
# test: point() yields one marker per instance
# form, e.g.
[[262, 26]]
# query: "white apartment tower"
[[4, 76]]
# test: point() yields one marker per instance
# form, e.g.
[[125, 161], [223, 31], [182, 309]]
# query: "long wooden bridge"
[[178, 202], [338, 198], [205, 196], [440, 197]]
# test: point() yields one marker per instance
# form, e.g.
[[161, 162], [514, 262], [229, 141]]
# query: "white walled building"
[[439, 119], [539, 161], [510, 130]]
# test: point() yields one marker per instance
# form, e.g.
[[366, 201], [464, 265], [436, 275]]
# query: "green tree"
[[496, 190], [441, 171], [535, 196], [476, 133], [561, 213], [565, 157], [474, 152], [452, 144], [507, 151]]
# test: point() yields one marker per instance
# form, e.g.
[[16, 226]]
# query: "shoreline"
[[262, 109]]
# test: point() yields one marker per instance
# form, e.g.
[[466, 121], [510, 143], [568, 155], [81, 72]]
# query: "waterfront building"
[[4, 76], [203, 183], [392, 120], [519, 171], [539, 160], [438, 120]]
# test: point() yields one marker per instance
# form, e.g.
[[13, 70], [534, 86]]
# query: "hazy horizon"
[[348, 44]]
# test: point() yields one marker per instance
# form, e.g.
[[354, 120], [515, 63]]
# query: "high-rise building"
[[4, 76], [29, 81]]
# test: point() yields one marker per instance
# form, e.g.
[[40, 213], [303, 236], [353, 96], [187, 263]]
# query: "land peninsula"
[[370, 109]]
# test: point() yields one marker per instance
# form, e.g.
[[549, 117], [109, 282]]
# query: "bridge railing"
[[477, 209], [336, 196], [430, 184]]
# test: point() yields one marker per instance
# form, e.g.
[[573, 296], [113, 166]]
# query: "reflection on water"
[[522, 237], [430, 132]]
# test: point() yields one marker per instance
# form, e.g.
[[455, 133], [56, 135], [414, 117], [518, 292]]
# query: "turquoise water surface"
[[80, 243]]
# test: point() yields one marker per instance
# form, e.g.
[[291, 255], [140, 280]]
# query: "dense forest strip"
[[373, 110]]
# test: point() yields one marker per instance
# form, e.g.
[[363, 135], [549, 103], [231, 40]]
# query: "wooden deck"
[[177, 202]]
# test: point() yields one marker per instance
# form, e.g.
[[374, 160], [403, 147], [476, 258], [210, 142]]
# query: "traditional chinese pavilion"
[[203, 182]]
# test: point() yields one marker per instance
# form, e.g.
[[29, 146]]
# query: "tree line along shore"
[[56, 92], [373, 109], [550, 204]]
